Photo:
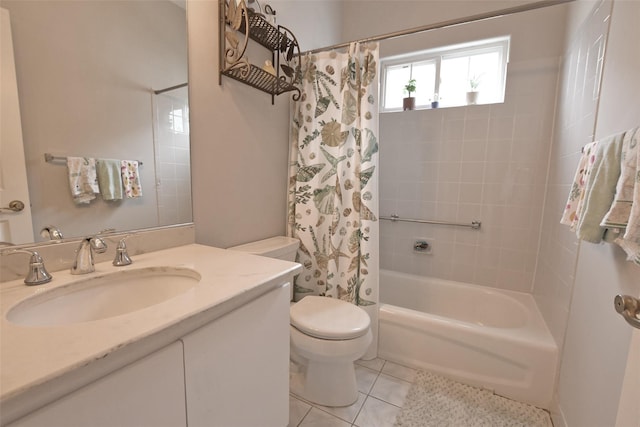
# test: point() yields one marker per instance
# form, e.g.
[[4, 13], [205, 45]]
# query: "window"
[[179, 120], [448, 72]]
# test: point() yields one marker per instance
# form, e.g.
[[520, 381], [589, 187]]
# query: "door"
[[15, 226], [629, 407]]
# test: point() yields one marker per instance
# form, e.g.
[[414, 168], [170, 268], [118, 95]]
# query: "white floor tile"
[[390, 389], [399, 371], [365, 378], [319, 418], [383, 388], [375, 364], [376, 413], [297, 410], [347, 413]]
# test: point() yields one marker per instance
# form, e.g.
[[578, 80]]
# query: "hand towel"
[[109, 179], [620, 211], [600, 188], [131, 178], [625, 210], [575, 200], [82, 179]]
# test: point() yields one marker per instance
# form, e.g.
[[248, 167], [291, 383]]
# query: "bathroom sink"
[[103, 296]]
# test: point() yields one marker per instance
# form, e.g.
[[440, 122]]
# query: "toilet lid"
[[329, 318]]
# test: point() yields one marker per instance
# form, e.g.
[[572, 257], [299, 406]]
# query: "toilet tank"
[[279, 247]]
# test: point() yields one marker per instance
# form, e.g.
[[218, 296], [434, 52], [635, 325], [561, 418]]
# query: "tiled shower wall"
[[173, 166], [484, 162], [575, 126]]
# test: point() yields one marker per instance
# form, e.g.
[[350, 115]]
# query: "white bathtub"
[[482, 336]]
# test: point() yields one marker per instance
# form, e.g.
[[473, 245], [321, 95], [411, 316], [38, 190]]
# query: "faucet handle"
[[37, 274], [122, 256], [98, 245]]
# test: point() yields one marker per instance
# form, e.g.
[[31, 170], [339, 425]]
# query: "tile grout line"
[[353, 424], [305, 415], [366, 398]]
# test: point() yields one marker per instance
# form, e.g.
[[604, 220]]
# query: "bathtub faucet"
[[421, 246]]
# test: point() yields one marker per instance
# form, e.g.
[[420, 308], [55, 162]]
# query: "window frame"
[[500, 45]]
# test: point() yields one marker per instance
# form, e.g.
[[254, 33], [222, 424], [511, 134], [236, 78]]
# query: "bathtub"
[[485, 337]]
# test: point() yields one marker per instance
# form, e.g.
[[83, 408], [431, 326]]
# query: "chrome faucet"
[[51, 232], [37, 274], [84, 255]]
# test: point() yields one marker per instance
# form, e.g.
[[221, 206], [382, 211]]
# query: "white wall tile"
[[486, 162]]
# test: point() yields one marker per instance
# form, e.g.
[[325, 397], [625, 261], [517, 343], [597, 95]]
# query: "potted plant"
[[409, 103], [436, 100], [472, 95]]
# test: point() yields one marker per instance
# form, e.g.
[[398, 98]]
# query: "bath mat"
[[436, 401]]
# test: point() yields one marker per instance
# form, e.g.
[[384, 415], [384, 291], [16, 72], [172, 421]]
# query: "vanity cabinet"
[[231, 372], [237, 368], [148, 392]]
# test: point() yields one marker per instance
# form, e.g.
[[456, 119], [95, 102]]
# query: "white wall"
[[597, 338], [239, 141], [86, 71], [575, 121], [366, 18], [484, 162]]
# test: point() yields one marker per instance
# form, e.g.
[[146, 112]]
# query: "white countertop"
[[37, 359]]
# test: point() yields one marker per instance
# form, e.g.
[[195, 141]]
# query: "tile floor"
[[382, 386]]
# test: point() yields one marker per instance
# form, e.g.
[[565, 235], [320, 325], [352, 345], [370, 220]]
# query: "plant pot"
[[472, 98], [435, 104], [409, 103]]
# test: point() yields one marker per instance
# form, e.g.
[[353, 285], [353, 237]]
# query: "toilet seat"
[[329, 318]]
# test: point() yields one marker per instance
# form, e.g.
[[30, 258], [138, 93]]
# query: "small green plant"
[[474, 82], [410, 86]]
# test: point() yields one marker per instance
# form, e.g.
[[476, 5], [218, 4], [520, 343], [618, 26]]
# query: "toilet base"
[[324, 371], [326, 384]]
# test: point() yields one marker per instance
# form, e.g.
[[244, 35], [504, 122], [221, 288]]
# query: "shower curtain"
[[333, 178]]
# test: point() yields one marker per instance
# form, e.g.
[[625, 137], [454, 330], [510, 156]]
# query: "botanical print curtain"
[[333, 178]]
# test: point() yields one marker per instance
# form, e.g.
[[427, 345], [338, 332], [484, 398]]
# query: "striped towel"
[[600, 189], [624, 214], [109, 179]]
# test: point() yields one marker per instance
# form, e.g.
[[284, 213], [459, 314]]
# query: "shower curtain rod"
[[159, 91], [449, 23]]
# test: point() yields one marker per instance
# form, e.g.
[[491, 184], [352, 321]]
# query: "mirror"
[[90, 77]]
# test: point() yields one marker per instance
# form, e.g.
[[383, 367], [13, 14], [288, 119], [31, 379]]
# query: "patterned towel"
[[571, 214], [131, 178], [83, 181]]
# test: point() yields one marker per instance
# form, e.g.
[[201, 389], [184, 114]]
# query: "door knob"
[[629, 308], [14, 206]]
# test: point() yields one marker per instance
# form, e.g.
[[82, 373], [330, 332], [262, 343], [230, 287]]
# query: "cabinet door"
[[237, 368], [149, 392]]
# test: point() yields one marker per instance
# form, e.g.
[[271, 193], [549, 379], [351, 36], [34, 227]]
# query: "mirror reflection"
[[94, 80]]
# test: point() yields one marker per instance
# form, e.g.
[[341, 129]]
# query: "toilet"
[[327, 336]]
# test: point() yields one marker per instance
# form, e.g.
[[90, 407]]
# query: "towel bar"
[[50, 158], [474, 224]]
